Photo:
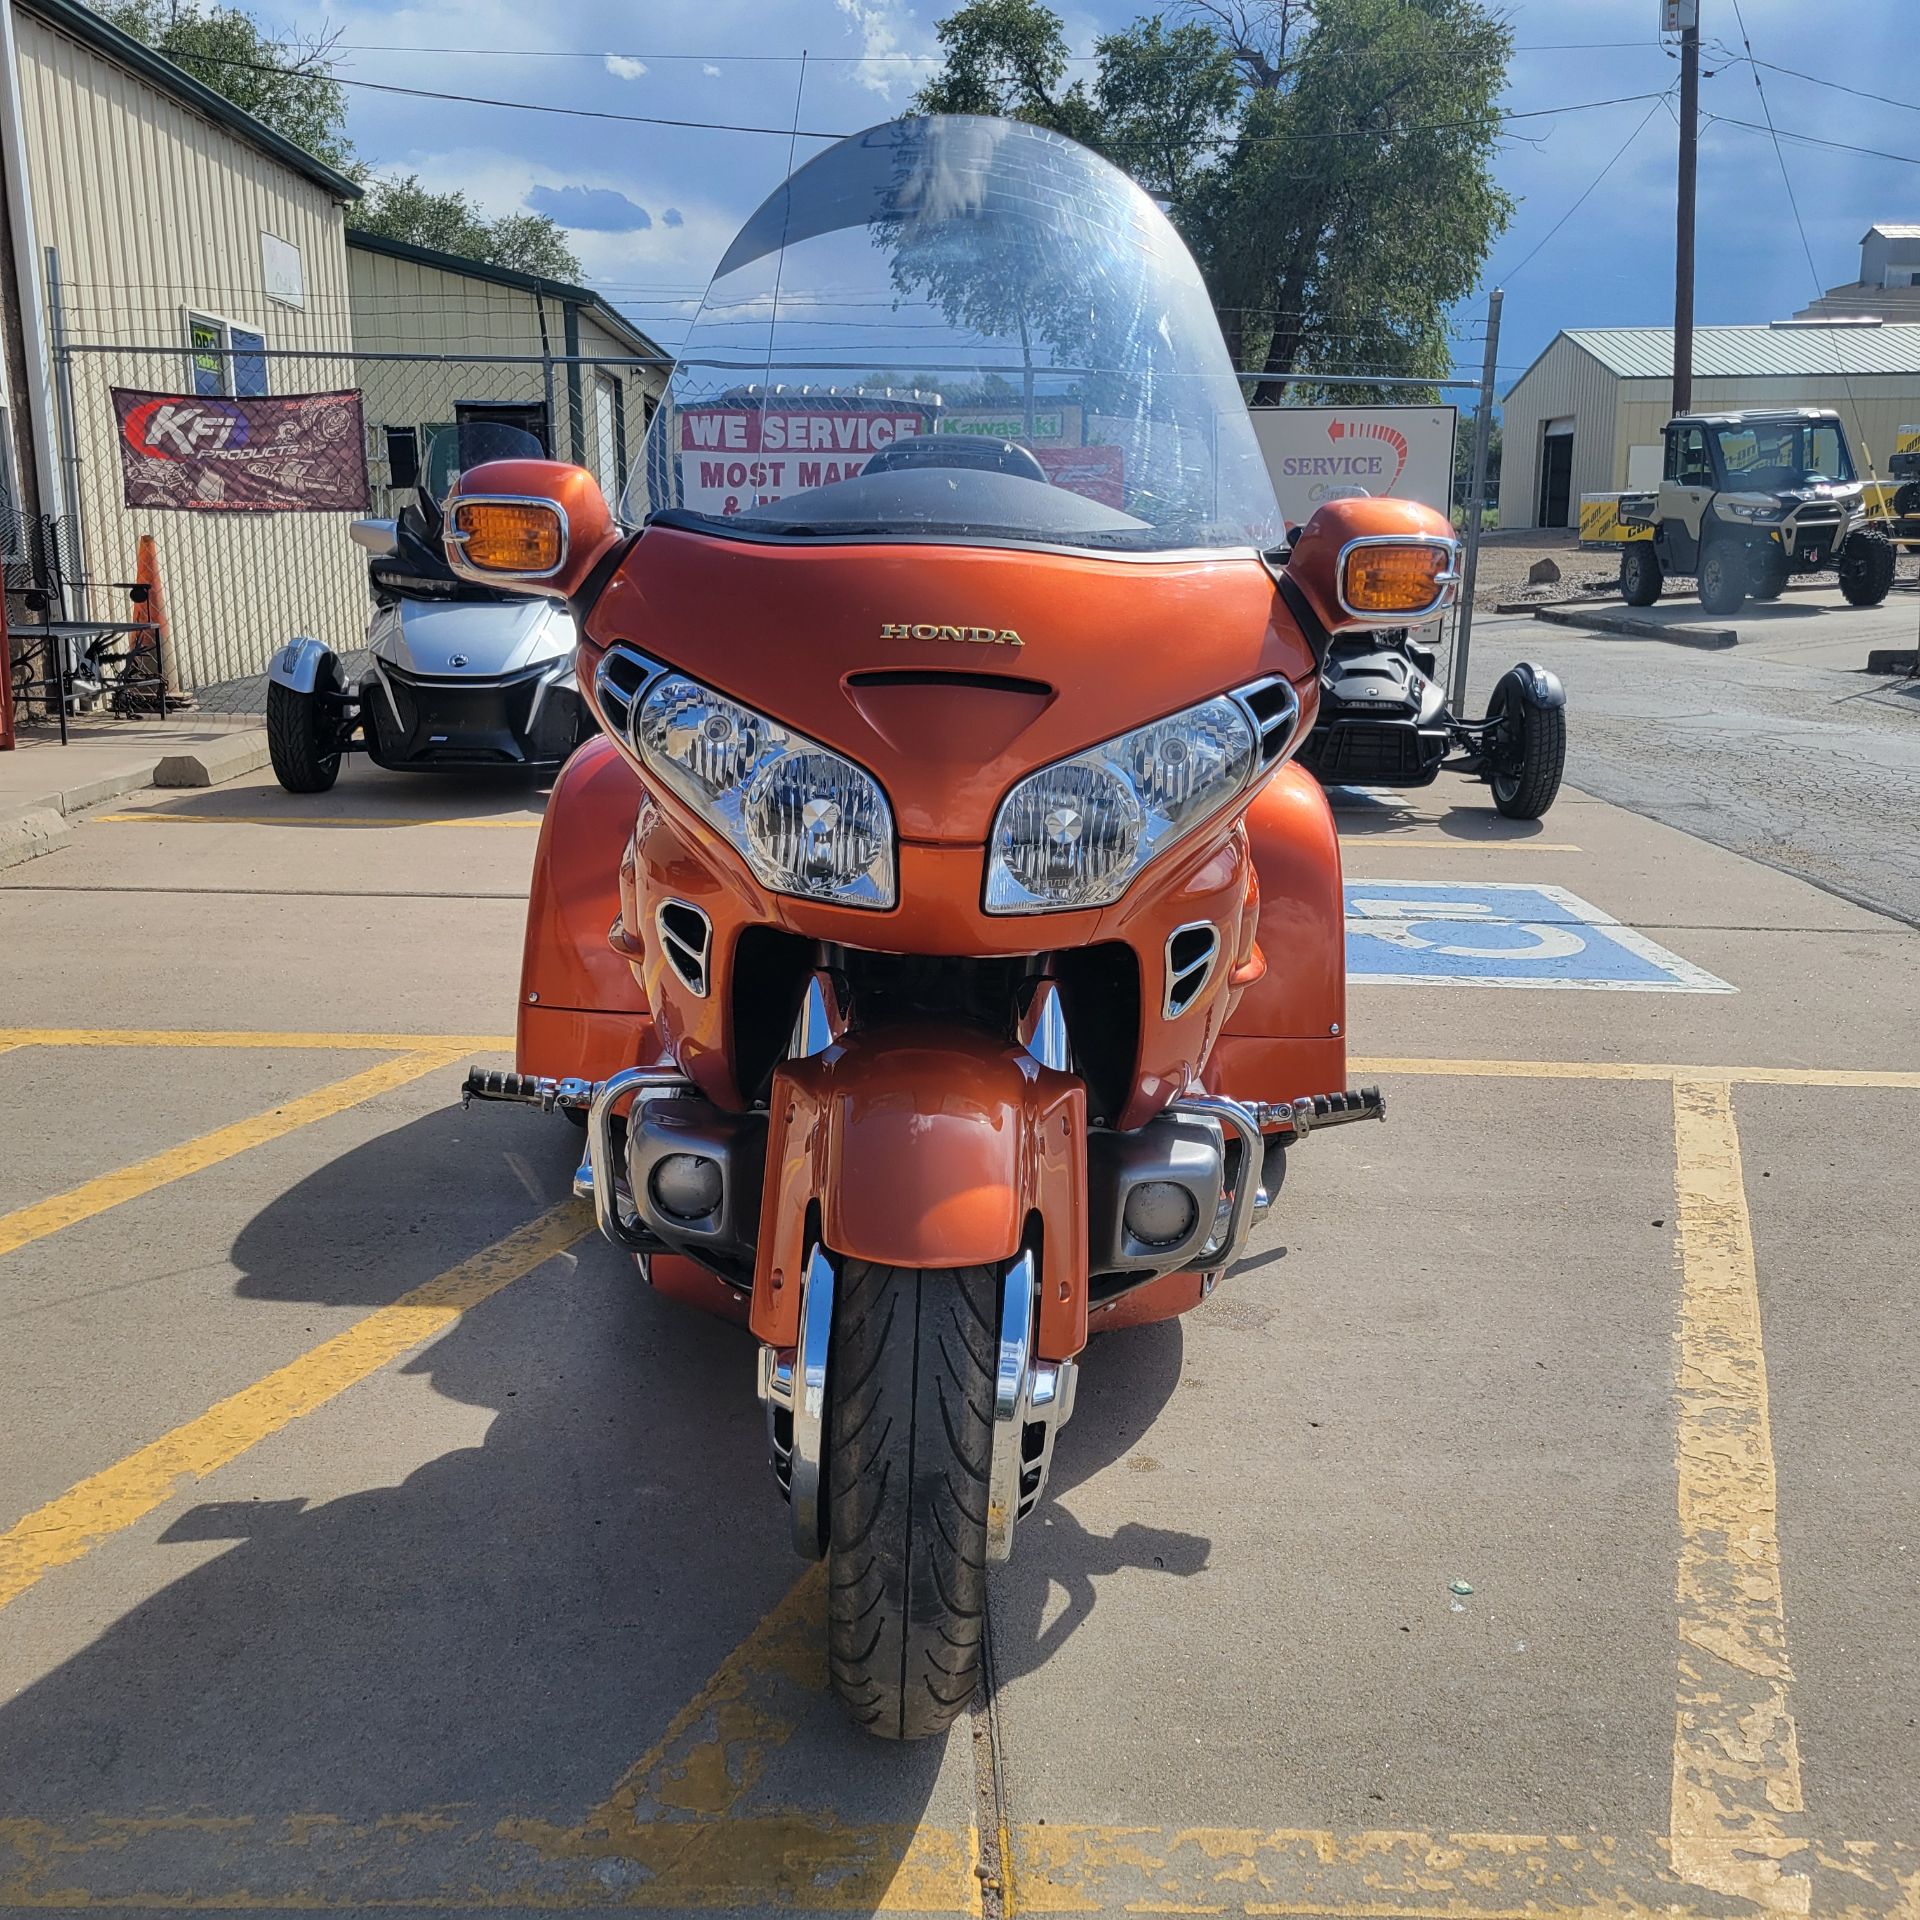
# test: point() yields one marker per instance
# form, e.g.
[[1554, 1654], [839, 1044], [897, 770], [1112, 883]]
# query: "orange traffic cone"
[[155, 650]]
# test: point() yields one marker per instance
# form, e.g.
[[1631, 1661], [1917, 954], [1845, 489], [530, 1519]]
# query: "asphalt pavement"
[[1783, 748], [1526, 1528]]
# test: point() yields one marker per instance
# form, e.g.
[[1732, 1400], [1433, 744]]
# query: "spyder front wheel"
[[1528, 752]]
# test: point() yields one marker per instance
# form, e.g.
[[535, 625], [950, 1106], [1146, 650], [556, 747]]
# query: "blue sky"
[[649, 209]]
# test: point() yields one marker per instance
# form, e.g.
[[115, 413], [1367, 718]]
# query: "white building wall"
[[1565, 381]]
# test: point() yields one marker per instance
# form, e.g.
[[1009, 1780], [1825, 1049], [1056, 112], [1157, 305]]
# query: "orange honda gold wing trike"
[[939, 946]]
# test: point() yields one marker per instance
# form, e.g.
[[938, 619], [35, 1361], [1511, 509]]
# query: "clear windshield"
[[1765, 455], [455, 446], [958, 328]]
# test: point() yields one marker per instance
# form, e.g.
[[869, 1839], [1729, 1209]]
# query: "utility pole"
[[1685, 14], [1476, 502]]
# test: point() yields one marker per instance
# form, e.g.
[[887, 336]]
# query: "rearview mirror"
[[379, 537]]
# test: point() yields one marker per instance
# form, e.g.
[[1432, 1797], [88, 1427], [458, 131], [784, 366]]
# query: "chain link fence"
[[237, 584]]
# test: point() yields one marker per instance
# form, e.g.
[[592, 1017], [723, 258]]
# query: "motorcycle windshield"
[[951, 328]]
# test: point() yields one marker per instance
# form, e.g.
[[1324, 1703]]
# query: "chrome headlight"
[[1741, 511], [1076, 833], [807, 821]]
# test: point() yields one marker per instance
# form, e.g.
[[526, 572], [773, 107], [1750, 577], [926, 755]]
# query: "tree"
[[402, 209], [290, 87], [1328, 161]]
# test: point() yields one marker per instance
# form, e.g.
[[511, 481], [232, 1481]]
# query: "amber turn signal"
[[1402, 576], [509, 536]]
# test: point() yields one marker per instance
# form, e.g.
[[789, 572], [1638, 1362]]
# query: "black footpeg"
[[1302, 1117], [527, 1089]]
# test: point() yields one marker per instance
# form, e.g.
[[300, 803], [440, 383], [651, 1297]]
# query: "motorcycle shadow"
[[1126, 1379], [534, 1580]]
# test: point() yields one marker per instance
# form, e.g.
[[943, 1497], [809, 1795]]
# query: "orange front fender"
[[926, 1147]]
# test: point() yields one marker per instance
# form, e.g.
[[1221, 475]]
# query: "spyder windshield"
[[962, 329], [1767, 454]]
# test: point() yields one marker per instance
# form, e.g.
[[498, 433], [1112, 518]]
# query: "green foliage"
[[1463, 457], [289, 86], [402, 209], [1328, 161]]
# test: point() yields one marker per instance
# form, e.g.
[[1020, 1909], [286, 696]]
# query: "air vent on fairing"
[[686, 941], [621, 678], [1274, 708], [1191, 952]]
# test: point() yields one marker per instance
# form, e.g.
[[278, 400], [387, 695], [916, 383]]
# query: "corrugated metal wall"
[[1565, 380], [409, 306], [154, 211]]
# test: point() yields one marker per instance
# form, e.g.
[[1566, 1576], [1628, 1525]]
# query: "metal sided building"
[[166, 241], [1586, 417], [414, 301]]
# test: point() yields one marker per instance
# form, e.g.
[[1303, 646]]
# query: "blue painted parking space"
[[1445, 933]]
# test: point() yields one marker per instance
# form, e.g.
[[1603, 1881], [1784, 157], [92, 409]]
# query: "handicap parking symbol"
[[1438, 933]]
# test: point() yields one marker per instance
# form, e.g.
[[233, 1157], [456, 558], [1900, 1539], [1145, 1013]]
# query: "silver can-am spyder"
[[454, 675]]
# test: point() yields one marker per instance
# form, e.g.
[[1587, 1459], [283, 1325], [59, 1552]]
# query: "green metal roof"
[[1802, 349], [82, 23]]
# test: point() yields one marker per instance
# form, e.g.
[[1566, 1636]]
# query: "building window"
[[226, 357]]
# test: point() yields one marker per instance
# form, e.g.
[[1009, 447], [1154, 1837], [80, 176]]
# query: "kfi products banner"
[[294, 452]]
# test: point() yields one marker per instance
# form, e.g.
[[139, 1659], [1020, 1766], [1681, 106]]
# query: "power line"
[[1786, 180], [835, 59], [1592, 185], [1812, 139], [1859, 93], [817, 133]]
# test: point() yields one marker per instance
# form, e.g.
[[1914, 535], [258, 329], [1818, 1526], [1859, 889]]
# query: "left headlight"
[[807, 821], [1076, 833]]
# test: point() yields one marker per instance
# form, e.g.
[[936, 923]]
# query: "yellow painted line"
[[452, 1858], [447, 1043], [77, 1521], [675, 1812], [1736, 1756], [1360, 842], [1367, 1066], [92, 1197], [156, 818]]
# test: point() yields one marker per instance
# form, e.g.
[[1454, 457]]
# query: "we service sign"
[[1321, 453]]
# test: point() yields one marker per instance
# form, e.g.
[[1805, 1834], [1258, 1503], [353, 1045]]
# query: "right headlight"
[[806, 820], [1076, 833]]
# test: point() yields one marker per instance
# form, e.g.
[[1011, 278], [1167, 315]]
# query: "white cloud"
[[712, 72], [878, 23], [624, 69]]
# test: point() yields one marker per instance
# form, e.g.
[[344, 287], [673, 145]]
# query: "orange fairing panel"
[[1300, 1000], [925, 1147], [567, 966]]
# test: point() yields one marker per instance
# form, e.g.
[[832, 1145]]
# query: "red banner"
[[297, 452]]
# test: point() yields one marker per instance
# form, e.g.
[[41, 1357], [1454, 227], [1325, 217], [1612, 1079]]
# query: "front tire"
[[1723, 577], [1770, 572], [1531, 750], [1866, 567], [909, 1443], [296, 740], [1640, 574]]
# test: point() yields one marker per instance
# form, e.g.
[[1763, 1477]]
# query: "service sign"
[[280, 454], [735, 457], [1322, 453]]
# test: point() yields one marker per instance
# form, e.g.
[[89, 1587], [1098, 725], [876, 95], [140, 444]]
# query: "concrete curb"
[[1891, 660], [29, 828], [26, 836], [218, 760], [1631, 629]]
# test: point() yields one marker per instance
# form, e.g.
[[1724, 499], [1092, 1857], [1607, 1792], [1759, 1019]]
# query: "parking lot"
[[1526, 1527]]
